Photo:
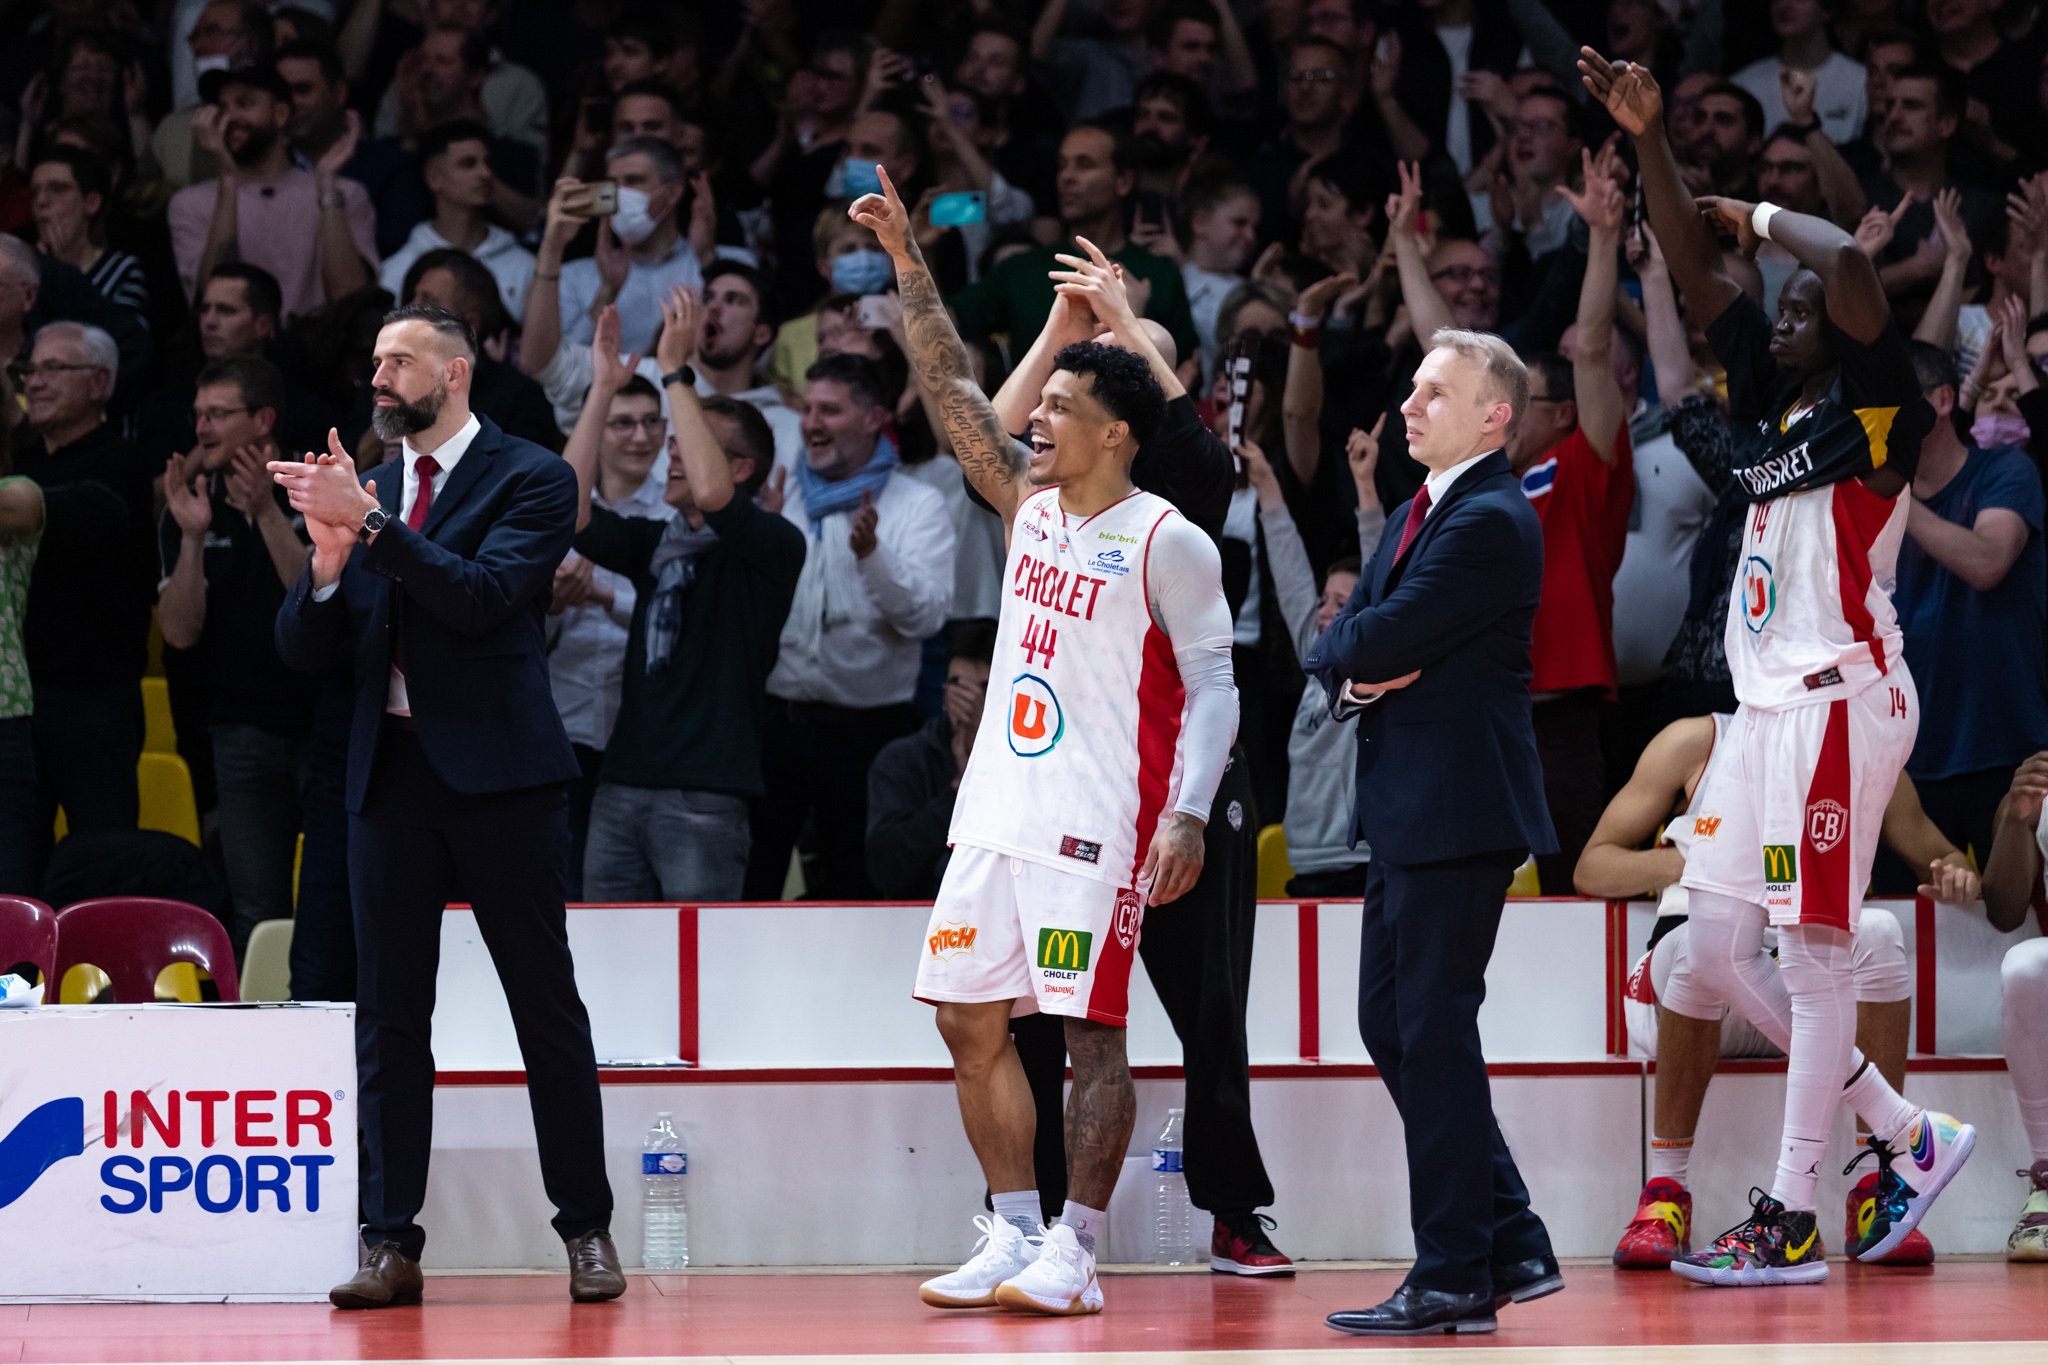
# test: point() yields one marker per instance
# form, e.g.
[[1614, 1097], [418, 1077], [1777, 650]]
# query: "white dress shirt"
[[856, 629], [447, 455]]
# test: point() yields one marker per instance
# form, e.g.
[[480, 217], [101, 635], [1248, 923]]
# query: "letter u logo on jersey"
[[1759, 593], [1035, 720]]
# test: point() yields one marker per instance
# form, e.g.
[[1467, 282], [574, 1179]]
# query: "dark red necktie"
[[423, 501], [1417, 510]]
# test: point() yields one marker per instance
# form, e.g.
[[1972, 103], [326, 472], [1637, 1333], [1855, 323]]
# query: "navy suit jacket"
[[467, 593], [1447, 766]]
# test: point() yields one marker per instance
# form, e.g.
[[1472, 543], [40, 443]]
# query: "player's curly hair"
[[1122, 382]]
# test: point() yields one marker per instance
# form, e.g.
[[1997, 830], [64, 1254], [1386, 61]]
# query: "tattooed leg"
[[1100, 1113]]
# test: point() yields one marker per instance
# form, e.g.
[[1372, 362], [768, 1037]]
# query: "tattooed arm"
[[993, 463]]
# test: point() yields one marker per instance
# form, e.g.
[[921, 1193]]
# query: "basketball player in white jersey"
[[2012, 882], [1083, 803], [1675, 1017], [1828, 417]]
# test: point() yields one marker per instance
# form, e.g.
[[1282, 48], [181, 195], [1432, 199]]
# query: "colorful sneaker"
[[999, 1255], [1915, 1250], [1931, 1149], [1061, 1282], [1773, 1246], [1662, 1230], [2029, 1240], [1240, 1247]]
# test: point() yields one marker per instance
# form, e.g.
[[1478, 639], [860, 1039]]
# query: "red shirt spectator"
[[1584, 502]]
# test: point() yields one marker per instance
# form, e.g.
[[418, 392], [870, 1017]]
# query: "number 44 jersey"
[[1079, 757]]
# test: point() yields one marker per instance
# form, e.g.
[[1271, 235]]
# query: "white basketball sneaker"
[[1912, 1169], [1061, 1282], [1000, 1254]]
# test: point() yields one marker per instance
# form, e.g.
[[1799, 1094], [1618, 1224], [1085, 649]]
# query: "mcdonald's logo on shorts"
[[1065, 949], [1781, 864]]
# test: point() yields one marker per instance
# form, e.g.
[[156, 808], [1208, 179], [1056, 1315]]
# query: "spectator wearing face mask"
[[642, 253], [853, 263], [1972, 599]]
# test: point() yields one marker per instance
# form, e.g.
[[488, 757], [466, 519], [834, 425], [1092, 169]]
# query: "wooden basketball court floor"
[[1981, 1311]]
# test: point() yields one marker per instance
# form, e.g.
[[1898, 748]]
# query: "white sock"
[[1084, 1221], [1877, 1104], [1814, 963], [2024, 981], [1669, 1158], [1020, 1209]]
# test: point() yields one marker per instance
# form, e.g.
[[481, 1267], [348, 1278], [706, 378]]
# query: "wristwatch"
[[374, 520], [683, 375]]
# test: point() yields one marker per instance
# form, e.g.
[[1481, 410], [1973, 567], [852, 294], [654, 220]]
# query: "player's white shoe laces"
[[1000, 1254], [1060, 1282]]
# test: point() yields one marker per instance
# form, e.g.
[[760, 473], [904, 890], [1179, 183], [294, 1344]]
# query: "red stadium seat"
[[28, 933], [132, 938]]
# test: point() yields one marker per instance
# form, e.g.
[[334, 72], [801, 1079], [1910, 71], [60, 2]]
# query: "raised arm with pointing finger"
[[992, 462]]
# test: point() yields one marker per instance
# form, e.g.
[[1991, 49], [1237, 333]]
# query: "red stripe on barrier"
[[1924, 1039], [1617, 976], [1310, 1003], [688, 1046]]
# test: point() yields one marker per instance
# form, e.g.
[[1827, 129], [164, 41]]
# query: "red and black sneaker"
[[1915, 1250], [1662, 1229], [1240, 1247]]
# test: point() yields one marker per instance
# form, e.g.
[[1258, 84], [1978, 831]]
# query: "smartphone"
[[872, 312], [597, 115], [953, 210], [1151, 207], [596, 199]]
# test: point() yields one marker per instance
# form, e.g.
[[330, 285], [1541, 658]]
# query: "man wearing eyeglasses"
[[1313, 97], [86, 630], [229, 546]]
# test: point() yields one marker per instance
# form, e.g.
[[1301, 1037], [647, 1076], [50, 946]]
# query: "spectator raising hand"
[[1876, 230], [1362, 453]]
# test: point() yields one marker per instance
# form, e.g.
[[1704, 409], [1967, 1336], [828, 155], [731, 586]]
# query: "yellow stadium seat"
[[1526, 882], [267, 962], [167, 801], [159, 736], [1274, 872]]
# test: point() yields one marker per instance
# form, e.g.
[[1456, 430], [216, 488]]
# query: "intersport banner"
[[177, 1152]]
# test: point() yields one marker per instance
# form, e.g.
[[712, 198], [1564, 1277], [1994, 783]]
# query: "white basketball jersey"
[[1810, 616], [1688, 827], [1077, 759]]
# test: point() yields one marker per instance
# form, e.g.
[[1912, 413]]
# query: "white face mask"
[[633, 222], [202, 65]]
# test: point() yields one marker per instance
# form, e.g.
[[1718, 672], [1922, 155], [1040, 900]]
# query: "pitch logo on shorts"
[[1065, 950], [1035, 720], [1759, 593], [1706, 826], [1826, 823], [951, 939]]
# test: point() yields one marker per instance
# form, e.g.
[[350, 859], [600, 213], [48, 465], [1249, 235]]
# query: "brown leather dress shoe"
[[594, 1273], [388, 1278]]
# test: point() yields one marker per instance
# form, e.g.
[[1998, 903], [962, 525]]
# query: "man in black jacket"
[[86, 631]]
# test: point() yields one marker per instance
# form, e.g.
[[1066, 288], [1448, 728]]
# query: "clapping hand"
[[682, 326], [608, 373], [190, 506], [862, 540], [247, 488]]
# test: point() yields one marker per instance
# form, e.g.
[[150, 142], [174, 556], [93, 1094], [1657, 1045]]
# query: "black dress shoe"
[[1416, 1312], [594, 1274], [388, 1278], [1526, 1280]]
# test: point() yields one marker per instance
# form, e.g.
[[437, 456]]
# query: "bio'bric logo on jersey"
[[1036, 722], [218, 1181], [1759, 593]]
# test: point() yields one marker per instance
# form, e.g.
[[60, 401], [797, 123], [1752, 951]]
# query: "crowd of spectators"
[[773, 634]]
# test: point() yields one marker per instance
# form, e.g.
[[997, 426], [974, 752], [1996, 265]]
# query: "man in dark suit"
[[438, 568], [1432, 652]]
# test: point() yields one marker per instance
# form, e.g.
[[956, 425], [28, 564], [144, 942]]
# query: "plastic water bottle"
[[1172, 1216], [665, 1234]]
